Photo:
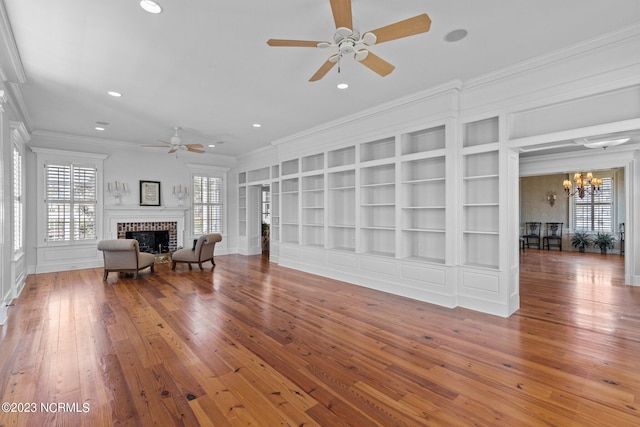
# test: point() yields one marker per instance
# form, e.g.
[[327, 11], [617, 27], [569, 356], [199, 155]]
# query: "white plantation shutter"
[[207, 205], [71, 199], [595, 213], [17, 201]]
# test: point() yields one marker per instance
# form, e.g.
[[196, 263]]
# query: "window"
[[266, 205], [70, 202], [595, 212], [18, 222], [207, 204]]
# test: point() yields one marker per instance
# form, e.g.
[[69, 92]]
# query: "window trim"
[[213, 172], [17, 239], [209, 179], [614, 205], [48, 155], [73, 200]]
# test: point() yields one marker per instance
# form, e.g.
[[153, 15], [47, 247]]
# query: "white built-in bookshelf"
[[289, 167], [424, 209], [423, 141], [385, 197], [376, 150], [242, 211], [377, 209], [342, 215], [313, 210], [275, 211], [342, 157], [313, 163], [481, 194], [289, 214]]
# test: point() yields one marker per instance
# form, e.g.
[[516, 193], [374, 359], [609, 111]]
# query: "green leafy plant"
[[581, 240], [604, 241]]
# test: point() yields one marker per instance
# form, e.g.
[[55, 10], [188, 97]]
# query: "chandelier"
[[584, 184]]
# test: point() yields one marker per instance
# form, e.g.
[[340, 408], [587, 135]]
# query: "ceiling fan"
[[176, 144], [348, 40]]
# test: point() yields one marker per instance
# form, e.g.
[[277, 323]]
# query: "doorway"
[[265, 218], [555, 164]]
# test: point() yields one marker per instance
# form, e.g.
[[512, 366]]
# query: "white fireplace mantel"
[[118, 214]]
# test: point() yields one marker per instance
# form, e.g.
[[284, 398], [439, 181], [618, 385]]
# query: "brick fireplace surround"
[[120, 219], [171, 226]]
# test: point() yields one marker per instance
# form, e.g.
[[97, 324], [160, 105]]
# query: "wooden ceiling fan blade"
[[342, 16], [292, 43], [156, 145], [323, 70], [173, 150], [195, 150], [377, 64], [194, 145], [409, 27]]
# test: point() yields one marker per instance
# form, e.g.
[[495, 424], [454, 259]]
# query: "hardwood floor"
[[256, 344]]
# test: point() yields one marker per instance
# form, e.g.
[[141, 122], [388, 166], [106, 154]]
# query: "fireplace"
[[151, 235], [120, 219], [153, 242]]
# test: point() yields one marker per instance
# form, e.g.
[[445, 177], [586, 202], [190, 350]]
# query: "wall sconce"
[[180, 193], [551, 197], [117, 190]]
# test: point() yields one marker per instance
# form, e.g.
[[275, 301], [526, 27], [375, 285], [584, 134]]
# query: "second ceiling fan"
[[177, 144], [349, 40]]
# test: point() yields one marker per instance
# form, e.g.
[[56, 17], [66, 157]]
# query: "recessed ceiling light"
[[456, 35], [150, 6], [342, 86], [212, 145], [257, 125], [99, 128], [114, 94]]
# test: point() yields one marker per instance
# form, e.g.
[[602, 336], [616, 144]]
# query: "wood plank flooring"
[[253, 343]]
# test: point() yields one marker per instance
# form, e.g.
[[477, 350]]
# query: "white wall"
[[128, 164]]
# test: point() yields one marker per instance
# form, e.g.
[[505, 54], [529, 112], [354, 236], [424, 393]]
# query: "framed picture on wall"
[[149, 193]]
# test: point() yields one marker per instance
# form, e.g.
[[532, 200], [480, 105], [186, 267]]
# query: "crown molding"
[[443, 89], [207, 168], [65, 153], [258, 151], [21, 129], [16, 100], [556, 56], [114, 144], [15, 71]]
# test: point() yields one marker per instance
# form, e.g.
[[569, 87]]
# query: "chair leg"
[[190, 268], [106, 273], [152, 268], [173, 265], [200, 265]]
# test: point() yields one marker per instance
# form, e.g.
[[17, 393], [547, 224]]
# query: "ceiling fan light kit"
[[349, 41], [605, 143], [150, 6], [177, 144]]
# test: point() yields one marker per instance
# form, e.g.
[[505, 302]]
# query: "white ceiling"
[[204, 64]]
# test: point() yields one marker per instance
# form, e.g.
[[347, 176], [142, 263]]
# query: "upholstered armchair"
[[123, 255], [201, 252]]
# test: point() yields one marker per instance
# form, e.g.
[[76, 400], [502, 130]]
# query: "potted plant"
[[581, 240], [604, 241]]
